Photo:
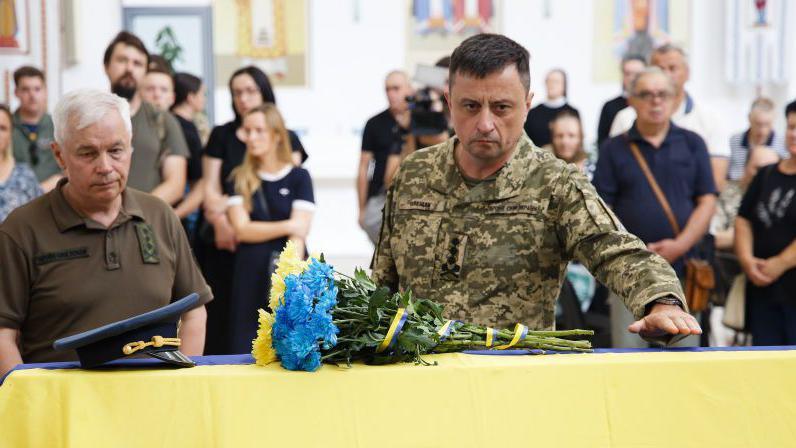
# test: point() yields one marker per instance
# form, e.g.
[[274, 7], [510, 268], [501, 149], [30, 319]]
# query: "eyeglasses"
[[648, 95]]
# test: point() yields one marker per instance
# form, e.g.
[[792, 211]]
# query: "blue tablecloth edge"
[[214, 360]]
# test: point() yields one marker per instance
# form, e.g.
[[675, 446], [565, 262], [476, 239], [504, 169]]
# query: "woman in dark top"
[[216, 245], [189, 100], [537, 124], [765, 242], [271, 201]]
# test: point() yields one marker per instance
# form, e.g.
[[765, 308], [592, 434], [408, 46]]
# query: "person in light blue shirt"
[[18, 183]]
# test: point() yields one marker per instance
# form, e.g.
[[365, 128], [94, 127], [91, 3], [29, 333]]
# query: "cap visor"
[[173, 357]]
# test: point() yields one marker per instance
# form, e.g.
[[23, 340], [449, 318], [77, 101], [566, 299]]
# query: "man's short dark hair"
[[159, 64], [27, 71], [484, 54], [632, 57], [184, 85], [126, 38], [790, 108]]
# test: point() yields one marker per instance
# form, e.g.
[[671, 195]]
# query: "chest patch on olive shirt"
[[61, 255], [147, 243]]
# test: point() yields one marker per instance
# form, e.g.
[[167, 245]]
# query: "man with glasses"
[[680, 164], [686, 113], [33, 126]]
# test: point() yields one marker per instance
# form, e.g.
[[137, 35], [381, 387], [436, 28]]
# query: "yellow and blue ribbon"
[[395, 329], [520, 331], [491, 336], [445, 329]]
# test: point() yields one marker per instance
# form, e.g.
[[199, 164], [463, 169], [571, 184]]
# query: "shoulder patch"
[[147, 243]]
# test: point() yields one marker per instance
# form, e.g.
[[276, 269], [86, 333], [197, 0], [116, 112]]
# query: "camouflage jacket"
[[496, 254]]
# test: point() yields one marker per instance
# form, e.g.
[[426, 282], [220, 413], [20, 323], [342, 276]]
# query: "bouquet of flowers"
[[320, 315]]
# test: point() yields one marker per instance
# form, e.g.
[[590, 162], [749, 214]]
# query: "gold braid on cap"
[[157, 341]]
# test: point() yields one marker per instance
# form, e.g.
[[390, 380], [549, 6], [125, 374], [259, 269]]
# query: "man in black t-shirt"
[[382, 136]]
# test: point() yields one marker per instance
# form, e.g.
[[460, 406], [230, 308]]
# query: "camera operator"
[[430, 115], [382, 136]]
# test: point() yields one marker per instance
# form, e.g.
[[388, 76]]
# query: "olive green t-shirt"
[[33, 148], [63, 274], [156, 135]]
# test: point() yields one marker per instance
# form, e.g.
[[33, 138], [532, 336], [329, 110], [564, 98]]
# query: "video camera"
[[427, 105]]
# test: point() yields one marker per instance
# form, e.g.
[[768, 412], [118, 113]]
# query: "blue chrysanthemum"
[[303, 324]]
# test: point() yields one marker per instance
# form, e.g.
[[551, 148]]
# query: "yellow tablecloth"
[[672, 399]]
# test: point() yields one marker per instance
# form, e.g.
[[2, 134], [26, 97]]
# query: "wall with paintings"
[[29, 35], [329, 58]]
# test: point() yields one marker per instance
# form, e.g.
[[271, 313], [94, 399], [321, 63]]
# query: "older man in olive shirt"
[[91, 251]]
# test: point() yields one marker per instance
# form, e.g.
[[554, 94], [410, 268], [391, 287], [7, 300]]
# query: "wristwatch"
[[666, 300], [669, 300]]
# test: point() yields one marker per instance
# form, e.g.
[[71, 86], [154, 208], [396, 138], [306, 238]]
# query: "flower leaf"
[[377, 300]]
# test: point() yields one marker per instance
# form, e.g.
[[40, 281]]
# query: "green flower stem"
[[462, 345], [545, 333]]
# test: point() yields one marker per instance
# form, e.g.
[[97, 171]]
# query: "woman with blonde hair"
[[18, 183], [567, 141], [216, 245], [271, 201]]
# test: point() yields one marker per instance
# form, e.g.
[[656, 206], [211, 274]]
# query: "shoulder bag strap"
[[260, 197], [655, 188]]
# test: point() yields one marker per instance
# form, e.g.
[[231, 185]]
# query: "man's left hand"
[[669, 249], [665, 319]]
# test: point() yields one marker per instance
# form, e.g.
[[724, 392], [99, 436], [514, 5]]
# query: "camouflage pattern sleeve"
[[590, 233], [383, 265]]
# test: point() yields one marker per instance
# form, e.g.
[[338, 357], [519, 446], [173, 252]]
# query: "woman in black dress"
[[271, 202], [216, 242], [765, 243], [537, 123]]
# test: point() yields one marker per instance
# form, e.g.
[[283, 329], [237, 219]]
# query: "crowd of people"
[[661, 165], [702, 172]]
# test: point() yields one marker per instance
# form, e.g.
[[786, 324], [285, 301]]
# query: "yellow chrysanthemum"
[[262, 347], [289, 263]]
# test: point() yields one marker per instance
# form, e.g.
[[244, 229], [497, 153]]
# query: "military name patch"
[[419, 204], [61, 255], [147, 243], [511, 208]]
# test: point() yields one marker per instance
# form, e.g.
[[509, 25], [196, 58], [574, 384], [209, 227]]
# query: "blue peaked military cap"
[[153, 333]]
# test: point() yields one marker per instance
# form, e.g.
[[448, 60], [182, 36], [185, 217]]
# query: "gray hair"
[[649, 71], [762, 104], [81, 108], [669, 47]]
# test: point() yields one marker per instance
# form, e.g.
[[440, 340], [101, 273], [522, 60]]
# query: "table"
[[643, 398]]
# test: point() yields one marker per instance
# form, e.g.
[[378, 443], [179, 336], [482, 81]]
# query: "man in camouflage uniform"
[[487, 222]]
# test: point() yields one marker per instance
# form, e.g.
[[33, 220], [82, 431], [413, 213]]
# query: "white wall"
[[348, 60], [40, 46]]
